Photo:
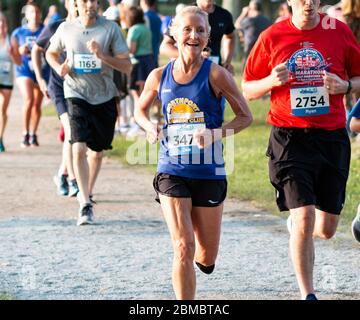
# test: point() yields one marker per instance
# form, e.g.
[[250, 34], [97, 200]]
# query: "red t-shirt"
[[303, 101]]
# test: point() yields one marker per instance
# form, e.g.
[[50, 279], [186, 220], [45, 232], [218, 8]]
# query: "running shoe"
[[134, 131], [311, 296], [33, 140], [124, 128], [86, 214], [61, 134], [355, 226], [26, 141], [73, 188], [2, 147], [62, 185]]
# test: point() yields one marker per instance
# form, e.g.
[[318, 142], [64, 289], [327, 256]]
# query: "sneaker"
[[33, 140], [355, 226], [86, 215], [289, 223], [62, 185], [311, 296], [124, 128], [2, 147], [61, 134], [133, 131], [26, 141], [91, 197], [73, 188]]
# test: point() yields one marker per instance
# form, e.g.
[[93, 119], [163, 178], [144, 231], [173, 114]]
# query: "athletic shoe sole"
[[55, 179], [83, 221], [355, 233]]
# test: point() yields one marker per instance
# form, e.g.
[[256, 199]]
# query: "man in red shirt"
[[307, 62]]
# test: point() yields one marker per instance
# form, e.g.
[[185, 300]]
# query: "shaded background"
[[12, 8]]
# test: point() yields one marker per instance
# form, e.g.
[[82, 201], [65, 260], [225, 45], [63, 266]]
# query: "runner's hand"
[[152, 135], [334, 84], [203, 138], [94, 48], [280, 74], [43, 88], [24, 49], [63, 69]]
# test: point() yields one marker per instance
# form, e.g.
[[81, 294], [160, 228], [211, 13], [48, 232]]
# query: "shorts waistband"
[[307, 130]]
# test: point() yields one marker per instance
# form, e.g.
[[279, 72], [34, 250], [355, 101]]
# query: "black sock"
[[205, 269]]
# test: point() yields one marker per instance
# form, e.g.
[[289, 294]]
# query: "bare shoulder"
[[156, 74], [218, 72], [219, 77]]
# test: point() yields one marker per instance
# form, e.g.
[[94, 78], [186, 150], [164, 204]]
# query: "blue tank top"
[[25, 35], [187, 107]]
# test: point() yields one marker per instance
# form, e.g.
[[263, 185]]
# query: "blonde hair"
[[189, 10]]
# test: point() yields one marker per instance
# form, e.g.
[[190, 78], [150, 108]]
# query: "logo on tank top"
[[184, 119], [184, 110]]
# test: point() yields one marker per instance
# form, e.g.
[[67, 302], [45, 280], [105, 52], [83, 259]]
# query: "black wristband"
[[349, 87]]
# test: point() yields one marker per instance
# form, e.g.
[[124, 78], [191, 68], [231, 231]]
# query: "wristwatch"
[[349, 87]]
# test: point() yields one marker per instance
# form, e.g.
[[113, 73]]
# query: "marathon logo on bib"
[[306, 67], [86, 64], [309, 101], [184, 119]]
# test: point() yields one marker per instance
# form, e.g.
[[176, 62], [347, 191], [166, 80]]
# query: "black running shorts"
[[92, 124], [309, 167], [203, 193]]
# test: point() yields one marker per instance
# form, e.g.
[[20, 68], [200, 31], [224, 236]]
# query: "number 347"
[[309, 101]]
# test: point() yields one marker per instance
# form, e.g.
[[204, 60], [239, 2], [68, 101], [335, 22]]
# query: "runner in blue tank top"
[[23, 39], [65, 179], [191, 181]]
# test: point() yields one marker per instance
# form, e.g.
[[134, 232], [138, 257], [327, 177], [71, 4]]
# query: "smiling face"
[[305, 12], [191, 32]]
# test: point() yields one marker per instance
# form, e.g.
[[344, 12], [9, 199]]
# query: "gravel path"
[[127, 254]]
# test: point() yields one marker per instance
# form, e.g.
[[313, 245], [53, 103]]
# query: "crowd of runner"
[[100, 68]]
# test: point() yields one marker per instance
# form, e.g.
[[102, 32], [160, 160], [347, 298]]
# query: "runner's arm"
[[336, 85], [53, 58], [255, 89], [120, 62], [149, 94], [224, 85], [36, 53], [14, 51], [228, 49]]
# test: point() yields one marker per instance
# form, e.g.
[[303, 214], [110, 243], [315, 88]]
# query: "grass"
[[249, 180], [49, 111], [5, 296]]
